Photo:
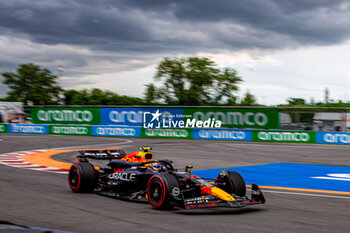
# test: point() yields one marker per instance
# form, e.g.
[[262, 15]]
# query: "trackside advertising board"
[[121, 116], [186, 133], [167, 133], [70, 130], [115, 131], [238, 118], [284, 136], [229, 117], [28, 128], [134, 116], [223, 134], [3, 128], [89, 116], [333, 138]]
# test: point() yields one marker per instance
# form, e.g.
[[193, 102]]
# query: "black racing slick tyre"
[[234, 183], [82, 178], [158, 191]]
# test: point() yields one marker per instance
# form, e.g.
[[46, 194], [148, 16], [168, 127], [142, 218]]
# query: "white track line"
[[11, 160], [17, 163], [305, 194]]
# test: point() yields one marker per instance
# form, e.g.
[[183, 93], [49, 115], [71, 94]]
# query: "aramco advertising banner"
[[230, 118], [28, 128], [71, 130], [136, 116], [3, 128], [90, 116], [167, 133], [168, 118], [238, 118], [223, 134], [333, 138], [284, 136], [115, 131], [230, 134]]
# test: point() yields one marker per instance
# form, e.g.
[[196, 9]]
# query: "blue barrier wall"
[[115, 131], [28, 128], [341, 138], [333, 137]]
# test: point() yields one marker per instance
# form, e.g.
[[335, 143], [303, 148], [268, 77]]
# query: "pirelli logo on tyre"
[[284, 136]]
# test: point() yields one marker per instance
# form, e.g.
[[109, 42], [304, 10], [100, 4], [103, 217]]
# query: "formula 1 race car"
[[136, 176]]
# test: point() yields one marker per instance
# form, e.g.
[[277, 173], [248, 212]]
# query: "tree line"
[[192, 81], [178, 81]]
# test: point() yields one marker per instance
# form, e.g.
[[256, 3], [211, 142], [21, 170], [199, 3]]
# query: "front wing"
[[207, 201]]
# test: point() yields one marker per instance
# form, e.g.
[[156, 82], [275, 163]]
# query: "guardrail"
[[229, 134]]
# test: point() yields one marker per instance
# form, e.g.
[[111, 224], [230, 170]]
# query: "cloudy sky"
[[281, 48]]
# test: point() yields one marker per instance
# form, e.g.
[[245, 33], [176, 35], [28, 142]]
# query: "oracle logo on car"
[[124, 176]]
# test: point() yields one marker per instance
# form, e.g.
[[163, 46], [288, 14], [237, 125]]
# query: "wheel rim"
[[156, 192], [74, 179]]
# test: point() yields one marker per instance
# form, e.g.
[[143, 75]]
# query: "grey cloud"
[[128, 34], [71, 23], [131, 25]]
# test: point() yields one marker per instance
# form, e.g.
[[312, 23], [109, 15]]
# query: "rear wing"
[[100, 154]]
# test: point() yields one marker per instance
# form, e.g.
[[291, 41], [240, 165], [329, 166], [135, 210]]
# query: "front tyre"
[[233, 183], [157, 193], [82, 178]]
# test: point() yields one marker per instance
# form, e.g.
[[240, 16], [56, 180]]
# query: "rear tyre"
[[157, 193], [82, 178], [234, 183]]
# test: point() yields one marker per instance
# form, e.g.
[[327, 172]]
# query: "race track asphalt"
[[42, 199]]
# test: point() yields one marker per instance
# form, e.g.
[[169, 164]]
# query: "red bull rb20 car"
[[138, 177]]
